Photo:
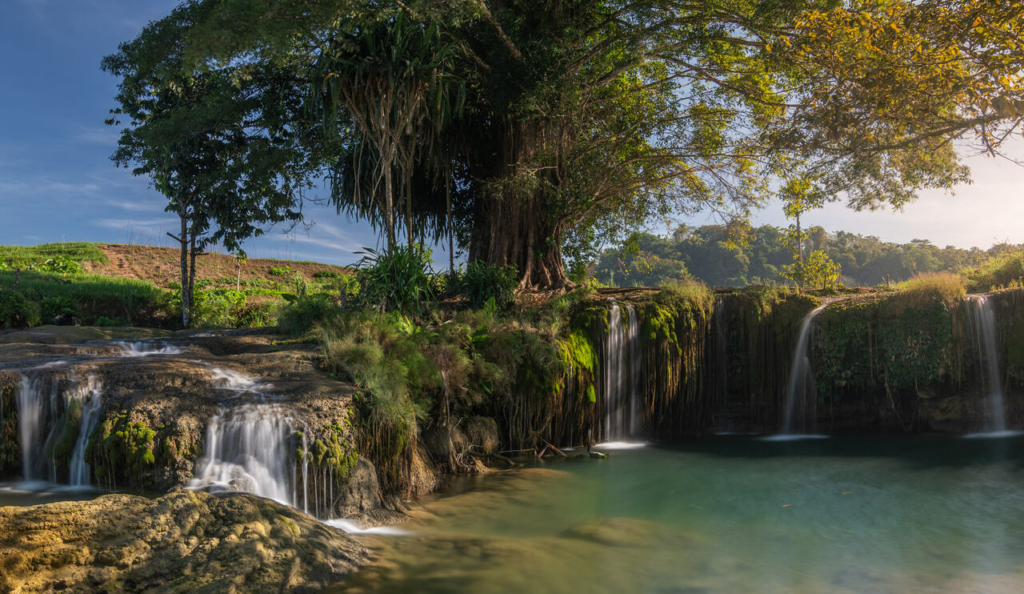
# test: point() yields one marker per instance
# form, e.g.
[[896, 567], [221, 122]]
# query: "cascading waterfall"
[[984, 321], [801, 386], [248, 448], [36, 407], [90, 397], [621, 376], [148, 349]]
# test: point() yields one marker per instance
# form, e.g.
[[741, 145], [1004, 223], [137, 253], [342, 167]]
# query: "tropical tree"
[[584, 119]]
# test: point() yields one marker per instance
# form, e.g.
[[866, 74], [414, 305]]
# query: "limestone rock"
[[182, 542]]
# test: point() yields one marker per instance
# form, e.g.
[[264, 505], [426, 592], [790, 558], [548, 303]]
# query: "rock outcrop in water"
[[181, 542], [159, 401]]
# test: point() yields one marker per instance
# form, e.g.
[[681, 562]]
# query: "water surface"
[[731, 514]]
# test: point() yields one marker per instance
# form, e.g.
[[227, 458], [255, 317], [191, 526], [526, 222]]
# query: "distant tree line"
[[723, 256]]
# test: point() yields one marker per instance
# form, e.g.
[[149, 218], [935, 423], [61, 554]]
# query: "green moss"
[[10, 451], [121, 451]]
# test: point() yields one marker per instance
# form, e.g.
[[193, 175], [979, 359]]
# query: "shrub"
[[482, 282], [56, 305], [326, 274], [280, 271], [16, 311], [304, 311], [1003, 271], [253, 315], [399, 280]]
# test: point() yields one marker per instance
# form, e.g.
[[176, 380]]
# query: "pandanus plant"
[[388, 92]]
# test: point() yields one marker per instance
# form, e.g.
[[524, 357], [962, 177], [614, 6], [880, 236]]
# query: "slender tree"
[[228, 147]]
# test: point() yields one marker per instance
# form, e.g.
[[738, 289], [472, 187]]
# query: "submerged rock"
[[181, 542]]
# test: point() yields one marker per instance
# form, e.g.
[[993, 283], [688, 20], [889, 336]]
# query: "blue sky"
[[57, 181]]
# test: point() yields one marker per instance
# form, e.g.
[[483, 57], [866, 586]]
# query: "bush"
[[50, 307], [399, 280], [326, 274], [139, 302], [253, 315], [280, 271], [304, 312], [482, 282], [16, 311], [1004, 271]]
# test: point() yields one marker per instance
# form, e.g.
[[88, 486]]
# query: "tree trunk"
[[192, 275], [514, 226], [511, 232], [186, 306]]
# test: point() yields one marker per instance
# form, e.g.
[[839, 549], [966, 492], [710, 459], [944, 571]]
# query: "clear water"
[[730, 514]]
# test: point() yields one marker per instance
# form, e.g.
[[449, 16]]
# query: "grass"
[[18, 256], [946, 287], [93, 296]]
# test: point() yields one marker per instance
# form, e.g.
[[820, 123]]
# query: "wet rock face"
[[180, 542]]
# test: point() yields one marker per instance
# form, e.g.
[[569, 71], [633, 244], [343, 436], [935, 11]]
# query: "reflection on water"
[[726, 515], [39, 492]]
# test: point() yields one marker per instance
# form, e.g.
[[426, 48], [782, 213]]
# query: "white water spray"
[[248, 448], [148, 349], [89, 395], [801, 377], [621, 371], [984, 321]]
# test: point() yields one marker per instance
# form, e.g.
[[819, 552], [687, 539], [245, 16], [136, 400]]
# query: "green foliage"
[[326, 274], [1004, 271], [817, 271], [94, 296], [305, 312], [16, 311], [59, 265], [945, 288], [482, 282], [399, 280], [67, 256], [56, 305], [728, 256], [280, 271]]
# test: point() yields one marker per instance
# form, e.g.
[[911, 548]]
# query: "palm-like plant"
[[392, 84]]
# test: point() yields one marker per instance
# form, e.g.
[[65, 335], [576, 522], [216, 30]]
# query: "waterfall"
[[36, 407], [147, 349], [984, 321], [801, 377], [248, 448], [622, 399], [90, 396]]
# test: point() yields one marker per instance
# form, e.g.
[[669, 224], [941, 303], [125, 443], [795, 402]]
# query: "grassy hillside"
[[105, 284]]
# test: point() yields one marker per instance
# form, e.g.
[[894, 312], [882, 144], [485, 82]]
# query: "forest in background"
[[724, 256]]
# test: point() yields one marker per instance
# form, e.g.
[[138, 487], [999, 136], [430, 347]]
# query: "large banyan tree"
[[530, 126]]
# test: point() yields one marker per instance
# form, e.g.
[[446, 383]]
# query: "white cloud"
[[148, 224]]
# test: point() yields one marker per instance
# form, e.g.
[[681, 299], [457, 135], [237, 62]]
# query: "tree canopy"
[[582, 120]]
